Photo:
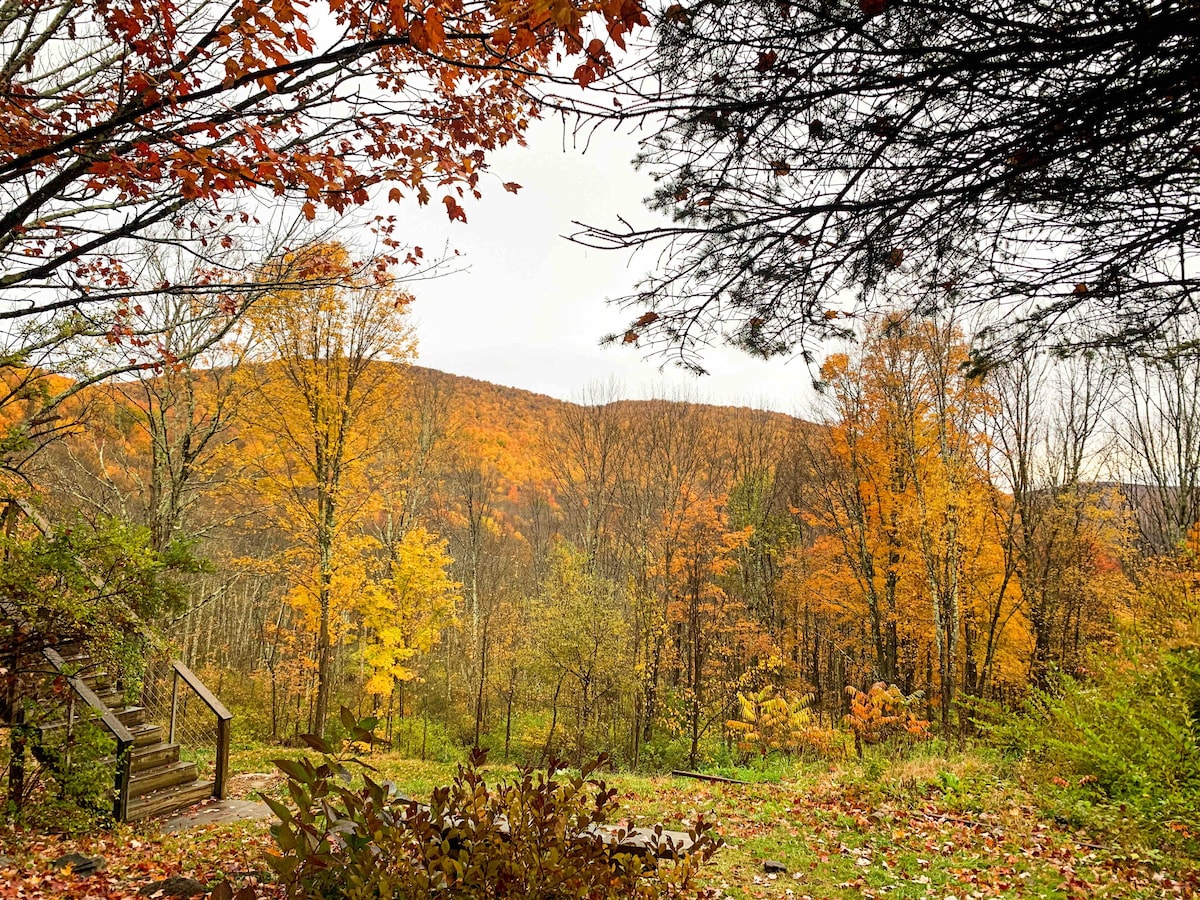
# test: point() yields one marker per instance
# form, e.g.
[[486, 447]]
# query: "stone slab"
[[217, 811]]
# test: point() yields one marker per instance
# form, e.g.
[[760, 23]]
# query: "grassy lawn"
[[929, 828]]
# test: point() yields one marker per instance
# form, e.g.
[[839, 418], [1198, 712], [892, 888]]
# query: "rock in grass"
[[774, 867], [175, 886], [79, 864]]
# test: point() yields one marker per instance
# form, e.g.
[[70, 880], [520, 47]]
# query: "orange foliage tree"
[[135, 122], [902, 508], [717, 646], [882, 712]]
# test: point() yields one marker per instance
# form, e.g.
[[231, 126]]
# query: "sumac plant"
[[883, 712], [538, 835]]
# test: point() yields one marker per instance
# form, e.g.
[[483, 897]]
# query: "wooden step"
[[72, 655], [70, 650], [99, 680], [159, 777], [109, 696], [131, 715], [153, 755], [146, 733], [102, 683], [168, 800], [150, 756], [83, 666], [112, 699], [80, 666]]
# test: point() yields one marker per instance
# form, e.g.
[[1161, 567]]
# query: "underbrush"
[[965, 782], [67, 781], [1119, 753], [535, 835], [910, 822]]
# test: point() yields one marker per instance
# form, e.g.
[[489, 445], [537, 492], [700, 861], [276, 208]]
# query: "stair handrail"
[[117, 728], [224, 718]]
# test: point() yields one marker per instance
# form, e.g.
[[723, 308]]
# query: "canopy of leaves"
[[819, 155], [132, 123], [90, 583]]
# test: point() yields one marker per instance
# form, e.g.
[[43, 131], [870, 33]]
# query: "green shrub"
[[1129, 738], [69, 776], [663, 754], [424, 739], [1138, 743], [533, 837]]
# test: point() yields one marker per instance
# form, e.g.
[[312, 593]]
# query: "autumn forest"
[[286, 611], [478, 565]]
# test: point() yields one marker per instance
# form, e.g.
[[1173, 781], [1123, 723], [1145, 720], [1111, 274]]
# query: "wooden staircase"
[[149, 778]]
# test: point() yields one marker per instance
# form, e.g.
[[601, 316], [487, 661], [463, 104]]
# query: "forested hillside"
[[670, 582]]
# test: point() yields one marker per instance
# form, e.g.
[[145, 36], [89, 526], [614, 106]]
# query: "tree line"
[[482, 566]]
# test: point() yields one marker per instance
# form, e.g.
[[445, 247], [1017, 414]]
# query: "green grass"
[[928, 827], [924, 829], [931, 826]]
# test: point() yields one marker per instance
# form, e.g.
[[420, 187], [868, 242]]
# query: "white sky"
[[530, 308]]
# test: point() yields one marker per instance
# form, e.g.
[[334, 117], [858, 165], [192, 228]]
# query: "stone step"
[[168, 800], [159, 777]]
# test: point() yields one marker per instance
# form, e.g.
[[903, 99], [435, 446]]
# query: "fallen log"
[[681, 773]]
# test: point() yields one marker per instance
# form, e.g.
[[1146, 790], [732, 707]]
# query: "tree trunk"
[[324, 661]]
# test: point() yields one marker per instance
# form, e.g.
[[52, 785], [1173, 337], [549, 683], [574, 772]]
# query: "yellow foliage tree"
[[404, 613], [325, 372], [771, 723]]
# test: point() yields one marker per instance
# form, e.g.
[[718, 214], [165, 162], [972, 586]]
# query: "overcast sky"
[[530, 308]]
